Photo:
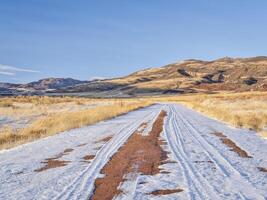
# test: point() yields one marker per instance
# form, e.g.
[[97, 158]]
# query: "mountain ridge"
[[188, 76]]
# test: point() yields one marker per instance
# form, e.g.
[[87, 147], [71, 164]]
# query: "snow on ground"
[[204, 167], [200, 164], [17, 123], [211, 170], [5, 120], [18, 179], [19, 119]]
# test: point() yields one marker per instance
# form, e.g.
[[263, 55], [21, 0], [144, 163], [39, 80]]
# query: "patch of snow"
[[204, 167], [75, 180]]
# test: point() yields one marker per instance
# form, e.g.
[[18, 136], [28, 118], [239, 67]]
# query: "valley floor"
[[197, 158]]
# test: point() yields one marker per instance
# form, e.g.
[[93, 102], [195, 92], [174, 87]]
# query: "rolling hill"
[[189, 76]]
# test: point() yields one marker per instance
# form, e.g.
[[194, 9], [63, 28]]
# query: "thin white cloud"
[[10, 69], [7, 73]]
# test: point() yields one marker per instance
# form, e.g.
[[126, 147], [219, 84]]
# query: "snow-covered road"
[[210, 169], [200, 164]]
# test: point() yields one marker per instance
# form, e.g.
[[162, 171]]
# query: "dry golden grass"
[[248, 110], [17, 107], [55, 122], [263, 134]]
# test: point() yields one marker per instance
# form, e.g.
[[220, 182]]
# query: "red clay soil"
[[165, 192], [142, 154], [54, 162], [232, 145]]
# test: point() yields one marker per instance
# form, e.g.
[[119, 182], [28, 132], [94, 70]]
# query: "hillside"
[[189, 76], [225, 74]]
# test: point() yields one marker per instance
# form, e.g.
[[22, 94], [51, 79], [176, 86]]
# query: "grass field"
[[247, 110], [46, 116], [53, 115]]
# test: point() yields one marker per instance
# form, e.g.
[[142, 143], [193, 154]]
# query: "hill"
[[52, 83], [189, 76]]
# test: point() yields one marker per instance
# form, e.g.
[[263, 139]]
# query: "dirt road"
[[165, 151]]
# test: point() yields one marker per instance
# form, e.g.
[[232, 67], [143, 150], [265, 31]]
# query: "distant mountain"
[[8, 85], [52, 83], [189, 76], [38, 87]]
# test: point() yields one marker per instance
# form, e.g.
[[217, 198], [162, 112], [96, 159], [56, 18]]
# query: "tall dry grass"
[[248, 110], [57, 122], [31, 107]]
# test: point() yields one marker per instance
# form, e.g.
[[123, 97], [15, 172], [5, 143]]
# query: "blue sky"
[[85, 38]]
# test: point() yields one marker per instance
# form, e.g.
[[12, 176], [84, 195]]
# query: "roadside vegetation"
[[40, 117], [49, 116], [246, 110]]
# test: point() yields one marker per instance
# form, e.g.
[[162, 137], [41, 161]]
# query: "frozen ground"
[[21, 117], [201, 165]]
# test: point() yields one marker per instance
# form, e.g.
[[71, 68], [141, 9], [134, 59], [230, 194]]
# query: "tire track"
[[197, 184], [246, 190], [82, 186]]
